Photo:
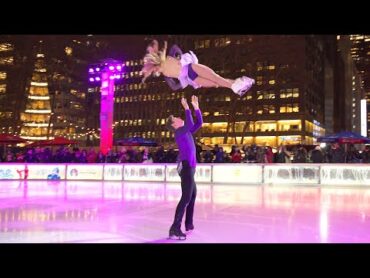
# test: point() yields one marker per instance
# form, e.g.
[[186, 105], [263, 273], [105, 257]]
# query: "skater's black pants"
[[189, 193]]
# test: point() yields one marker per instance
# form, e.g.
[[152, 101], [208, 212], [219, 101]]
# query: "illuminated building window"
[[262, 126], [217, 42], [207, 43], [289, 108], [6, 47], [2, 75], [265, 109], [249, 110], [271, 82], [2, 88], [265, 140], [292, 125], [271, 67], [6, 60], [68, 51], [289, 140], [289, 93], [265, 95], [259, 66], [259, 95]]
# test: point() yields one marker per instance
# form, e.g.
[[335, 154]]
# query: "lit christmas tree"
[[36, 117]]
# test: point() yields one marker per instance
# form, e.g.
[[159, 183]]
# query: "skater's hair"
[[169, 123], [152, 60]]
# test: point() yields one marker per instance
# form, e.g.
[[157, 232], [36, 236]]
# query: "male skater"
[[186, 165]]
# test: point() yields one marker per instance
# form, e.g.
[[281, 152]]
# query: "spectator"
[[236, 156], [269, 155], [300, 155], [366, 155], [219, 155], [91, 156], [337, 154], [208, 157], [317, 156]]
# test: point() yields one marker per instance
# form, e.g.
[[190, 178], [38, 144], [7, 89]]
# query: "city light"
[[41, 84], [363, 118], [39, 97], [38, 111]]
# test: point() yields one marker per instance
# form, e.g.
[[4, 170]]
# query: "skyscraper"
[[286, 105], [360, 50]]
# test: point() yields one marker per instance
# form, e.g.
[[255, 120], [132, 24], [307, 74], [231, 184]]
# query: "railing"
[[314, 174]]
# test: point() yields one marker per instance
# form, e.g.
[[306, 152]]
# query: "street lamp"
[[106, 73]]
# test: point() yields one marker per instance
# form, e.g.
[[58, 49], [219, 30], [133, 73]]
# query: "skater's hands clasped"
[[185, 103], [194, 102]]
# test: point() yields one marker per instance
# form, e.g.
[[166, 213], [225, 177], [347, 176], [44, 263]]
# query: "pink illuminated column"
[[106, 72], [106, 112]]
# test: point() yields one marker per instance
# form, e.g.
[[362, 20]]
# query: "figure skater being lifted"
[[181, 70]]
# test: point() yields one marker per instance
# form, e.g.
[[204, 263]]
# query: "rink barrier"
[[292, 173]]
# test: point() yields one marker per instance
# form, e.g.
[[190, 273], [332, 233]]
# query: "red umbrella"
[[11, 139], [6, 139], [57, 141]]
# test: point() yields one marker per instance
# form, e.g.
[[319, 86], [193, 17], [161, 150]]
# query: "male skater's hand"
[[194, 102], [165, 45], [184, 103]]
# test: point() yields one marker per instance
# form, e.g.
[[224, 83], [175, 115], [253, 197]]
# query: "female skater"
[[186, 69]]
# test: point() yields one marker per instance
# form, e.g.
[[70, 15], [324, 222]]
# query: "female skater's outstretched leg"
[[205, 83], [239, 86], [207, 73]]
